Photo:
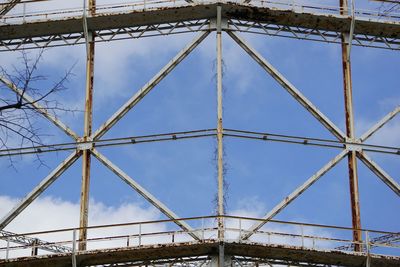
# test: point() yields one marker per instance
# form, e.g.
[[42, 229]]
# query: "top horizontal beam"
[[314, 21]]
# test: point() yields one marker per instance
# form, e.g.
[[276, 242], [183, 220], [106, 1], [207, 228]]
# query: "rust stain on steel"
[[349, 114], [335, 23], [207, 247]]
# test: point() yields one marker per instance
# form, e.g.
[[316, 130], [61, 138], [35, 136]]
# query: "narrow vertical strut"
[[83, 222], [220, 141], [219, 123], [352, 156]]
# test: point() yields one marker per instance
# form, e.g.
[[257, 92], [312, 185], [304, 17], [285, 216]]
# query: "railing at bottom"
[[140, 234]]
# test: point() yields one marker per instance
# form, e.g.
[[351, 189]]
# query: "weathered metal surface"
[[297, 192], [324, 22], [384, 176], [187, 249], [28, 241], [87, 131], [6, 7], [149, 86], [379, 124], [44, 184], [220, 147], [39, 108], [143, 192], [350, 132], [328, 257], [289, 87]]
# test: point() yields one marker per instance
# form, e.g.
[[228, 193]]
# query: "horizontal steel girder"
[[170, 19], [209, 247]]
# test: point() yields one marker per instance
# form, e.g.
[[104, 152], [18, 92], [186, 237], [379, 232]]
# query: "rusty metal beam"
[[43, 185], [349, 115], [149, 86], [84, 202], [376, 28], [39, 108], [220, 149], [379, 124], [144, 193], [5, 8], [297, 192], [385, 177], [290, 88], [220, 145]]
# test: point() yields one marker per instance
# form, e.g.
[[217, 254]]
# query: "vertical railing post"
[[202, 227], [240, 229], [8, 248], [367, 245], [302, 235], [140, 234], [35, 248], [74, 248], [24, 12]]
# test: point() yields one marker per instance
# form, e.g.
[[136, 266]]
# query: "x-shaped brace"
[[48, 180], [292, 90]]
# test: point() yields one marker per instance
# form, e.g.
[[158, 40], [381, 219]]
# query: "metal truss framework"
[[164, 18], [220, 21], [173, 247]]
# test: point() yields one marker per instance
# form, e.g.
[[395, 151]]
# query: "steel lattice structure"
[[343, 25]]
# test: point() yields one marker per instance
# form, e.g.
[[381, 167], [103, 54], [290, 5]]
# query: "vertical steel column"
[[352, 157], [83, 222], [220, 141]]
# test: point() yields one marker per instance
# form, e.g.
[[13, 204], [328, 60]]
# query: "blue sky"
[[182, 174]]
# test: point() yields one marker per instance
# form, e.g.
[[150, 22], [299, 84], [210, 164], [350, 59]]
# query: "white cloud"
[[51, 213], [388, 135]]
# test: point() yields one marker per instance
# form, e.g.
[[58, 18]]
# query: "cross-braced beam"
[[149, 86], [290, 88], [144, 193], [44, 184], [374, 167], [6, 7], [379, 124], [100, 132], [385, 177], [297, 192], [39, 108], [29, 241]]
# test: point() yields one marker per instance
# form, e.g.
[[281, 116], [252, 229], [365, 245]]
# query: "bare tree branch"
[[18, 117]]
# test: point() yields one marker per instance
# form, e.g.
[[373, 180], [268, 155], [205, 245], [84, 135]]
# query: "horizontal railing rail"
[[152, 233], [142, 5]]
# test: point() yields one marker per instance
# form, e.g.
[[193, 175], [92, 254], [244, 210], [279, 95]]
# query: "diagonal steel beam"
[[297, 192], [44, 184], [144, 193], [379, 124], [39, 108], [290, 88], [149, 86], [6, 7], [384, 176]]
